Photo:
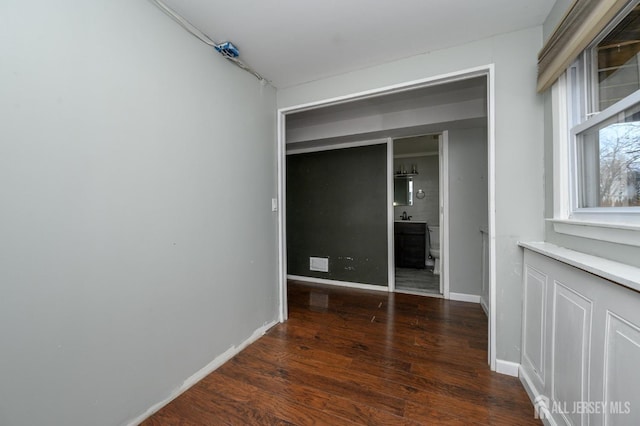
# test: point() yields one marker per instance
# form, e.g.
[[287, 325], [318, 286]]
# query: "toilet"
[[434, 247]]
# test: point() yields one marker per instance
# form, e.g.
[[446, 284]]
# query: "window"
[[598, 100], [608, 161]]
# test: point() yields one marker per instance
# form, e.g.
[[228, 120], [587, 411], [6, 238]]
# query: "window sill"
[[623, 274], [610, 232]]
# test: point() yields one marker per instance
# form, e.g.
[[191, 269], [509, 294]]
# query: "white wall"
[[132, 252], [519, 146], [468, 208], [555, 16]]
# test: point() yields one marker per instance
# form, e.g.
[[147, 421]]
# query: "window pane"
[[609, 162], [618, 61]]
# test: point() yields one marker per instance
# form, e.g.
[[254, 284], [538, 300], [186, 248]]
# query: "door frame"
[[391, 239], [485, 70], [443, 212], [443, 158]]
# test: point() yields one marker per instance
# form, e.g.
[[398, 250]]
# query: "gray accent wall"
[[137, 242], [337, 209]]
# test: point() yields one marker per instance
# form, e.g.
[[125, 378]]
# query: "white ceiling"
[[295, 41]]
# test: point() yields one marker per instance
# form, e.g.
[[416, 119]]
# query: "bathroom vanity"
[[410, 244]]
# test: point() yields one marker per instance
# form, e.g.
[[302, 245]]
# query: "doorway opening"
[[418, 214], [440, 87]]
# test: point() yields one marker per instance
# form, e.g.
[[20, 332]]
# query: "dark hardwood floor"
[[349, 357]]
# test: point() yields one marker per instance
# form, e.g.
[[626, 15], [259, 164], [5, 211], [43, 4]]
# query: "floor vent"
[[320, 264]]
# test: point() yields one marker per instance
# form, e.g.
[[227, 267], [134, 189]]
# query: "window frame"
[[621, 215], [575, 103]]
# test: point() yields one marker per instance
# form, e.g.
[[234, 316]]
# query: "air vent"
[[320, 264]]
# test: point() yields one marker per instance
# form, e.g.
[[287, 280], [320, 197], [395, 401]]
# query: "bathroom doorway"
[[418, 206]]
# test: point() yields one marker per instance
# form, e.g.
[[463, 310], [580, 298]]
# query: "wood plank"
[[341, 384], [359, 357], [342, 408]]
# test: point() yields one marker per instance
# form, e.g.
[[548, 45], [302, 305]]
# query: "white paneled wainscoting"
[[581, 337]]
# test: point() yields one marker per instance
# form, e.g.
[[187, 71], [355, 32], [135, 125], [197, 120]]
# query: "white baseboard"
[[339, 283], [536, 398], [507, 367], [462, 297], [202, 373], [485, 308], [529, 387], [419, 293]]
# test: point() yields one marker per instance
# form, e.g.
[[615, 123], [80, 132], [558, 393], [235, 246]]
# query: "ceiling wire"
[[204, 38]]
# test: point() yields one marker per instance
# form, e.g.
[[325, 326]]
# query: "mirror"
[[402, 191]]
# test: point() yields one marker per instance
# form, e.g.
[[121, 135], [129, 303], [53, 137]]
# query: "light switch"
[[274, 204]]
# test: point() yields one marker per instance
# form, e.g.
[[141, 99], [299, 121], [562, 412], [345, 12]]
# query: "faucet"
[[404, 216]]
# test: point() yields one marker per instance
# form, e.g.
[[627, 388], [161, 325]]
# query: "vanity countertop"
[[411, 221]]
